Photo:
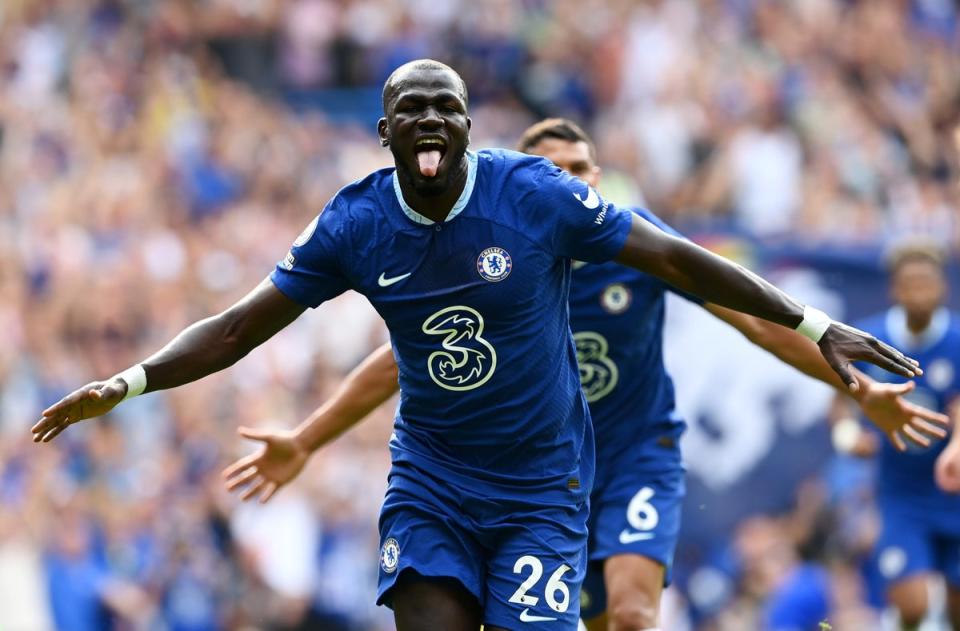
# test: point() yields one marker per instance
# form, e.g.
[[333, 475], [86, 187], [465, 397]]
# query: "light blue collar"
[[457, 208], [902, 337]]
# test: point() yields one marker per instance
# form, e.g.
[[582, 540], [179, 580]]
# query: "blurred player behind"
[[920, 530]]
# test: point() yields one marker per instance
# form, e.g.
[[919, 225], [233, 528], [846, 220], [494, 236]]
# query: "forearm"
[[715, 279], [367, 387], [201, 349], [220, 341], [785, 344]]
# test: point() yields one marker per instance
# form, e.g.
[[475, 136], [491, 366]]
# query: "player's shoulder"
[[357, 208], [513, 168], [366, 191], [510, 160]]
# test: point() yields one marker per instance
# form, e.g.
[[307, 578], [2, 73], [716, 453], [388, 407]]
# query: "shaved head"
[[425, 101], [399, 76]]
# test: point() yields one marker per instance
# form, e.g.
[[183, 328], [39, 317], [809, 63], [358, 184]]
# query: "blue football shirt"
[[938, 351], [617, 313], [477, 312]]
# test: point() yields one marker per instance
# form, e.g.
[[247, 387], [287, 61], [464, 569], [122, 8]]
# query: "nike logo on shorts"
[[383, 281], [526, 616], [632, 537]]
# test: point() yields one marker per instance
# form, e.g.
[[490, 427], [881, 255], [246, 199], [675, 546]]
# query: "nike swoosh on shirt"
[[383, 281], [591, 201], [526, 616], [632, 537]]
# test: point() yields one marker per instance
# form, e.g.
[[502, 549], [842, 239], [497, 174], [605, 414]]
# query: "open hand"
[[94, 399], [884, 404], [842, 345], [280, 460]]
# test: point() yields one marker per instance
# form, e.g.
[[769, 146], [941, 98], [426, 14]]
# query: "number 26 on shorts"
[[554, 587]]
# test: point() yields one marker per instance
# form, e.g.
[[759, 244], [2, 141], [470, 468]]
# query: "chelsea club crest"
[[389, 555], [615, 298], [494, 264]]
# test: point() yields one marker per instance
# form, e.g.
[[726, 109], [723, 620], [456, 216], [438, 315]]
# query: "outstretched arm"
[[285, 452], [367, 387], [715, 279], [882, 403], [199, 350]]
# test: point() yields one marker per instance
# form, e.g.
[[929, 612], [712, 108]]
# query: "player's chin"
[[430, 186]]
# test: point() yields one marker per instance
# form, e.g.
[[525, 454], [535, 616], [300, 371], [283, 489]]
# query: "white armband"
[[846, 434], [815, 323], [136, 379]]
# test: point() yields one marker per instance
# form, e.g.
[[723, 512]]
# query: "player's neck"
[[437, 206], [917, 323]]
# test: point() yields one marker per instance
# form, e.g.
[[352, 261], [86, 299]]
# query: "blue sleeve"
[[662, 225], [578, 223], [312, 271]]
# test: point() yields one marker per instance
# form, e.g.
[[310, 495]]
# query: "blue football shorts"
[[523, 561], [916, 538], [633, 511]]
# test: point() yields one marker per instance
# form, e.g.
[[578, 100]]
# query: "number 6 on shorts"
[[554, 585]]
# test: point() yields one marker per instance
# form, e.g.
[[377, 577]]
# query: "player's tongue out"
[[429, 162]]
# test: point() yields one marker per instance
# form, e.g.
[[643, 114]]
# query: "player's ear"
[[384, 132], [595, 176], [469, 125]]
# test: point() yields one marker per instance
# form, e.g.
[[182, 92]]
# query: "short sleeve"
[[579, 223], [311, 273]]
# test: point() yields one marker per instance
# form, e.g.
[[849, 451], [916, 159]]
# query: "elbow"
[[233, 343], [387, 380], [677, 260], [757, 332], [769, 335], [393, 373]]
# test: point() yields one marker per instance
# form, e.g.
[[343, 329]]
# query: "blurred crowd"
[[153, 169]]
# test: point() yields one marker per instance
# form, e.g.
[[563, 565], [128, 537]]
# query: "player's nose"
[[431, 118]]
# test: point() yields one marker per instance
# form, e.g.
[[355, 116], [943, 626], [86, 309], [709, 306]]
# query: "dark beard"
[[431, 187]]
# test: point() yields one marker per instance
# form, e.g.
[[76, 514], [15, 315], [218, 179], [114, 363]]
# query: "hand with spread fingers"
[[842, 345], [884, 404], [265, 472], [92, 400]]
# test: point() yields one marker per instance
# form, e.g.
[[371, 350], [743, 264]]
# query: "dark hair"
[[915, 250], [559, 128], [419, 64]]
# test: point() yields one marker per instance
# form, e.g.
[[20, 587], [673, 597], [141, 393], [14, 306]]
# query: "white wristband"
[[846, 434], [815, 323], [136, 380]]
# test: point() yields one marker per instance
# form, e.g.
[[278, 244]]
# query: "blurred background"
[[158, 157]]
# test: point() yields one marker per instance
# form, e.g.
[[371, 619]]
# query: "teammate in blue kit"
[[617, 320], [467, 258], [920, 530]]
